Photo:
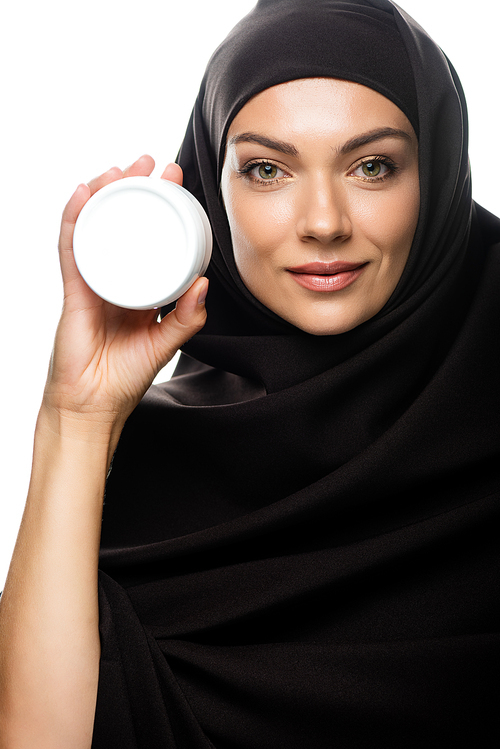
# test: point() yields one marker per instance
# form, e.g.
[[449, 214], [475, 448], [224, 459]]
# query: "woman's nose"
[[323, 213]]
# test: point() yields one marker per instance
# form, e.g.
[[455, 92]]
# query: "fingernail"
[[203, 293]]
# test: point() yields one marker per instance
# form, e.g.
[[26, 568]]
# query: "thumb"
[[188, 317]]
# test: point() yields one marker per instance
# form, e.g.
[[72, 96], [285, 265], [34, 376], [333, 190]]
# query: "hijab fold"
[[299, 542]]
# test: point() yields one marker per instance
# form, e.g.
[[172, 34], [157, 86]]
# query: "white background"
[[94, 84]]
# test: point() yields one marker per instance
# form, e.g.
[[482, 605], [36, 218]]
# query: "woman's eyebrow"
[[365, 138], [351, 145], [262, 140]]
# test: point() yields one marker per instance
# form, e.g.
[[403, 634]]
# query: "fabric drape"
[[299, 541]]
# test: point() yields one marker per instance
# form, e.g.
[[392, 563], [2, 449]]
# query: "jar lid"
[[141, 242]]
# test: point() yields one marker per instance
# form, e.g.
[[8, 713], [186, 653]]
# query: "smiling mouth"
[[327, 276]]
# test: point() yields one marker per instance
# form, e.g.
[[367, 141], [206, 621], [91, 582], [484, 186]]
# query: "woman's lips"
[[327, 276]]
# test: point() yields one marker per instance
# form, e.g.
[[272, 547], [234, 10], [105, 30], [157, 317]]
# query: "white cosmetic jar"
[[141, 242]]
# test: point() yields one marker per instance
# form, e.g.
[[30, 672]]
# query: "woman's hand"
[[106, 357]]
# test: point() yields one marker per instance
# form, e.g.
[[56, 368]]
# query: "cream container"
[[141, 242]]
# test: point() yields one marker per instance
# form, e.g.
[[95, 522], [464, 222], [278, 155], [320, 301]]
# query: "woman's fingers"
[[105, 179], [140, 168], [143, 166], [68, 221], [173, 172], [188, 317], [104, 356], [70, 214], [190, 306]]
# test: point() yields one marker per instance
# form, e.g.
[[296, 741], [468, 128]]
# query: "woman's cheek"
[[262, 225], [389, 219]]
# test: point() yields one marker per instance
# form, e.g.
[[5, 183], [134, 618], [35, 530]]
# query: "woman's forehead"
[[318, 106]]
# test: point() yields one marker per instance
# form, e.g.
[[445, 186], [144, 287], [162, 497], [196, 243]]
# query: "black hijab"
[[299, 534]]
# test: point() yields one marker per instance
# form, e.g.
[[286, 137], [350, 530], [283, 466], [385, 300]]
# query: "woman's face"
[[320, 184]]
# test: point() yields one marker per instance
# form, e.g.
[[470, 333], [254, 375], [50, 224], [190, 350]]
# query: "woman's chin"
[[331, 322]]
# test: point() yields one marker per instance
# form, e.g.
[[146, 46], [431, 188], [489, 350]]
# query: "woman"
[[297, 540]]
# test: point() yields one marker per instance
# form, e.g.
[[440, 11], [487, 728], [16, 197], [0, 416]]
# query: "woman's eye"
[[262, 172], [267, 171], [374, 170], [371, 168]]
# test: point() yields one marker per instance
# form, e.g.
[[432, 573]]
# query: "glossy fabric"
[[300, 533]]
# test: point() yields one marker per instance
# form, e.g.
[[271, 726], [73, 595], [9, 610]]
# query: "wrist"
[[96, 429]]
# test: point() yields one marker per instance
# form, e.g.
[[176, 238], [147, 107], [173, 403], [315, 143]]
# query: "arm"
[[104, 359]]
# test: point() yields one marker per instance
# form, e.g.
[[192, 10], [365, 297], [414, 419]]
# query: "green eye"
[[268, 171], [371, 168]]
